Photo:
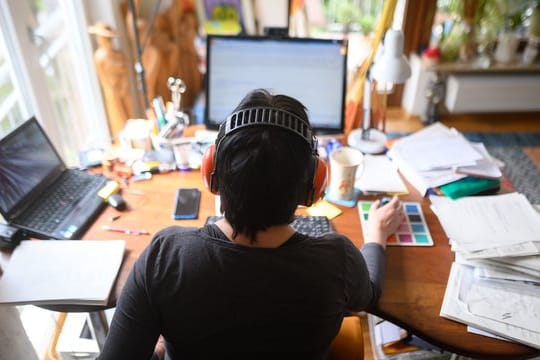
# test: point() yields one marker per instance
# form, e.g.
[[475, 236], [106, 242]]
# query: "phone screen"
[[187, 203]]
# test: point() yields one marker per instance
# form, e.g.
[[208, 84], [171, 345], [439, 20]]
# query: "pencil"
[[126, 231]]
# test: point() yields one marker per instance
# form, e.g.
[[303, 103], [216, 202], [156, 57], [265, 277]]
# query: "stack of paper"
[[494, 283], [74, 272], [486, 227], [438, 155]]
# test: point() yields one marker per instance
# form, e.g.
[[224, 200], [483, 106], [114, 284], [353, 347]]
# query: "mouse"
[[117, 202]]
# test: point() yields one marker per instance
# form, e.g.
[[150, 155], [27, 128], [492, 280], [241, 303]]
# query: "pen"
[[385, 200], [126, 231]]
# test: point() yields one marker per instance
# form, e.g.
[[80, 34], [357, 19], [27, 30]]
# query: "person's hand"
[[383, 221], [159, 350]]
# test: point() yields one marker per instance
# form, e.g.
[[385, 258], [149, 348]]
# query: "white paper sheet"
[[484, 167], [423, 180], [484, 222], [522, 249], [386, 332], [474, 330], [441, 152], [516, 303], [379, 174]]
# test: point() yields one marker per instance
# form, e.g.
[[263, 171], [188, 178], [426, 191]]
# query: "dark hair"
[[262, 171]]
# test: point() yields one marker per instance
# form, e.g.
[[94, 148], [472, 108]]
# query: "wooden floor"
[[399, 121]]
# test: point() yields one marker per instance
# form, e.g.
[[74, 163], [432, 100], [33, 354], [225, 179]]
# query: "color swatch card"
[[413, 231]]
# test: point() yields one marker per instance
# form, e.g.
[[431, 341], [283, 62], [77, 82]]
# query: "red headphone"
[[265, 116]]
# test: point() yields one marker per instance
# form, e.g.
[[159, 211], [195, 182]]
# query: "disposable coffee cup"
[[344, 164]]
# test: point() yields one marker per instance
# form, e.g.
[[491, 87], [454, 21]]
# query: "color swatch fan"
[[413, 231]]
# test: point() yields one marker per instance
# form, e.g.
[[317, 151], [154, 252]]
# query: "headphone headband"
[[260, 116], [272, 117]]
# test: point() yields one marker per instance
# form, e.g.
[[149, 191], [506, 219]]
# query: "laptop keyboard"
[[72, 186]]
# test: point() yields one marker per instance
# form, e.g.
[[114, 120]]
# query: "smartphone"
[[187, 203]]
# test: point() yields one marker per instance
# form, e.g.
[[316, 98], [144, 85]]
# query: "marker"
[[384, 201], [126, 231]]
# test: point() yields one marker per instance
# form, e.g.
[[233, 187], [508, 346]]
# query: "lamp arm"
[[366, 106]]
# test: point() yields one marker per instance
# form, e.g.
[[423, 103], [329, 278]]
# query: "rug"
[[519, 168], [519, 153]]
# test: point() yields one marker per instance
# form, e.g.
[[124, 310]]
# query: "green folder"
[[470, 186]]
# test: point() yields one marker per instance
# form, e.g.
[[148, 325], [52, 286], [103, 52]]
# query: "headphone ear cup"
[[320, 180], [207, 169]]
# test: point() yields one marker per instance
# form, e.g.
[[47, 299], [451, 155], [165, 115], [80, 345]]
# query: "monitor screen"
[[313, 71]]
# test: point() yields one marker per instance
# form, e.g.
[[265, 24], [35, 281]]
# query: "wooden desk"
[[415, 276]]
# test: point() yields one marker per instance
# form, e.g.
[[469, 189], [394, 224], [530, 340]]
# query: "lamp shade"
[[391, 66]]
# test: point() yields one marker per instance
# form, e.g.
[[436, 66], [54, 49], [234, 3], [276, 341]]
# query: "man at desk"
[[249, 283]]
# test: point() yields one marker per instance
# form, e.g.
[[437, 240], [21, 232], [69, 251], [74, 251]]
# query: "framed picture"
[[226, 16]]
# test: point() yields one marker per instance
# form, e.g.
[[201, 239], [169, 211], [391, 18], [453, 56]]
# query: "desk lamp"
[[390, 67]]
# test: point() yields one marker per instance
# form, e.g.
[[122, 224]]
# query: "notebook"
[[38, 193], [72, 272]]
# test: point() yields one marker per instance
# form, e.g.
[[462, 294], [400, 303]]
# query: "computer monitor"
[[313, 71]]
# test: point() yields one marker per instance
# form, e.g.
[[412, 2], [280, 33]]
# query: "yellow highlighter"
[[111, 187]]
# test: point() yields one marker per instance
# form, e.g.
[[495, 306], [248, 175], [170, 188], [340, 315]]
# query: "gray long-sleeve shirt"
[[211, 298]]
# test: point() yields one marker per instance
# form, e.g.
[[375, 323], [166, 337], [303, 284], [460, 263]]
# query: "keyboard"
[[307, 225], [312, 225], [72, 186]]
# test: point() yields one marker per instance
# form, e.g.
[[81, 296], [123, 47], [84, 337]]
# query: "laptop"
[[38, 193]]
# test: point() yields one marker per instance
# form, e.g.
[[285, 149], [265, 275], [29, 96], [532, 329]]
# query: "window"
[[49, 61], [10, 106]]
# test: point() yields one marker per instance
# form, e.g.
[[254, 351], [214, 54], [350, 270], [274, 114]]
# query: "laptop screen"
[[313, 71], [28, 162]]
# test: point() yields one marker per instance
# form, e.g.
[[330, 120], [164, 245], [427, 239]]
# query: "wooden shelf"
[[471, 67]]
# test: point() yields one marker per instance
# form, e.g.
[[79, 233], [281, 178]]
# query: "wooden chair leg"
[[51, 353]]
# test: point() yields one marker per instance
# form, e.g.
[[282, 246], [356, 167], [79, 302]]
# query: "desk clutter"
[[132, 161], [390, 342], [441, 158], [435, 159], [494, 282]]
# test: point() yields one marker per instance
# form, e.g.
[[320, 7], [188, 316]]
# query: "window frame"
[[29, 78]]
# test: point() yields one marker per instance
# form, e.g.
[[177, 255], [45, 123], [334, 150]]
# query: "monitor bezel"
[[319, 130]]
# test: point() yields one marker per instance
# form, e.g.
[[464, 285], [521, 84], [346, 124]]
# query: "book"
[[52, 272], [470, 186]]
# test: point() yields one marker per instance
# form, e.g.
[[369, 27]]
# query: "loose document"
[[494, 283], [379, 175]]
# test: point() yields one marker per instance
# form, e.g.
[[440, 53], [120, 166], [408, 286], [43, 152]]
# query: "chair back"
[[349, 342]]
